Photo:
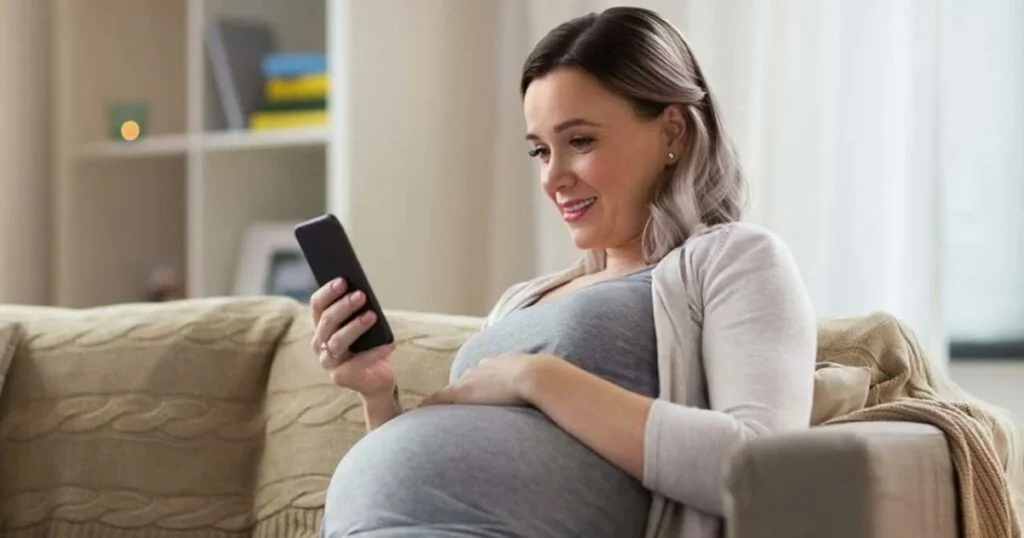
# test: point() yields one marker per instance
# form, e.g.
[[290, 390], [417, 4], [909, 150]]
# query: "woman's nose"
[[556, 176]]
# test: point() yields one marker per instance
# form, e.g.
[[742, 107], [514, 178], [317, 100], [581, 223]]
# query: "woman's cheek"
[[592, 170]]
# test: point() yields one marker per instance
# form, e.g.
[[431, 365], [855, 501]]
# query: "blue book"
[[294, 64]]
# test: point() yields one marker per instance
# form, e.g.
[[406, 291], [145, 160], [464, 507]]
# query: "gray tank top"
[[509, 471], [606, 328]]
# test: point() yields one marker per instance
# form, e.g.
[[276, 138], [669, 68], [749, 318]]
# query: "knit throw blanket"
[[872, 369]]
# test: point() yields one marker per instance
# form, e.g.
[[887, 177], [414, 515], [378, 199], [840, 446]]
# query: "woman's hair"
[[644, 58]]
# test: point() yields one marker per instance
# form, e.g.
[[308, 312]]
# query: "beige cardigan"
[[736, 339]]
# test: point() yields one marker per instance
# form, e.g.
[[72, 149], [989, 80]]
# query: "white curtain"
[[835, 108]]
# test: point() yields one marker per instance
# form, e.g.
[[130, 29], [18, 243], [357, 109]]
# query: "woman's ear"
[[674, 122]]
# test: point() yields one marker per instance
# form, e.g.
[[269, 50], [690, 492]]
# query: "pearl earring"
[[671, 156]]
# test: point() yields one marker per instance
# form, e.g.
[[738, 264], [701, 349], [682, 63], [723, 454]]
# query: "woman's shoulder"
[[739, 259], [734, 241], [729, 249], [731, 233]]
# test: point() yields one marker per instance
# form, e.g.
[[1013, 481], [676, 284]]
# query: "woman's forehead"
[[568, 94]]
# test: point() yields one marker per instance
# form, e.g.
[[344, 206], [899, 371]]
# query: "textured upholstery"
[[211, 419], [868, 479], [206, 418]]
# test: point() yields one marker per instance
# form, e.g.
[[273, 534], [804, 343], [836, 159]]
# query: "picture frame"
[[271, 262]]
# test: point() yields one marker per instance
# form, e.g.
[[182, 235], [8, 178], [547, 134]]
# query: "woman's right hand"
[[368, 373]]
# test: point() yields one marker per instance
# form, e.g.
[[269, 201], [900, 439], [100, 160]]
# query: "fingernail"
[[339, 283], [368, 317], [358, 297]]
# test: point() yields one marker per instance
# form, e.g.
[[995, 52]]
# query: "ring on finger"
[[327, 349]]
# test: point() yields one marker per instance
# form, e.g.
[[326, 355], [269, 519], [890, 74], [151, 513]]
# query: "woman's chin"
[[584, 240]]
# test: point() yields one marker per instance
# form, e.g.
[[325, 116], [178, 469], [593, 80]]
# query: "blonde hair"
[[644, 58]]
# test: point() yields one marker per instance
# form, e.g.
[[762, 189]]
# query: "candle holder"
[[128, 121]]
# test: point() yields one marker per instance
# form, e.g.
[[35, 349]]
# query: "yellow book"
[[299, 88], [268, 121]]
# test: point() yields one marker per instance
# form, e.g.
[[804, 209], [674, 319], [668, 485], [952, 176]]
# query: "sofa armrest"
[[857, 480]]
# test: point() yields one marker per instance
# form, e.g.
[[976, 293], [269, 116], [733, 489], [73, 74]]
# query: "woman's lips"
[[575, 210]]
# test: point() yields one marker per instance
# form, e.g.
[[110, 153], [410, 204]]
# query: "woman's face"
[[599, 160]]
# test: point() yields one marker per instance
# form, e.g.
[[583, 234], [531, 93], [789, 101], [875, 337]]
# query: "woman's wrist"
[[536, 376], [381, 407], [381, 398]]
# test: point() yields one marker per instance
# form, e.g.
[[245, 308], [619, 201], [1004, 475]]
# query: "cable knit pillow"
[[137, 420]]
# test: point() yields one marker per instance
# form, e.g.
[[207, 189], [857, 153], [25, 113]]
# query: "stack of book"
[[295, 92]]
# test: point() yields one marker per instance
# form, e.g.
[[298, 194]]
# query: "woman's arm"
[[605, 417], [758, 347]]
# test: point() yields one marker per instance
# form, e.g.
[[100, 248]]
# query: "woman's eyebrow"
[[568, 124]]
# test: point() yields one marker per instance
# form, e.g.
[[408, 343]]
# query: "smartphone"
[[330, 255]]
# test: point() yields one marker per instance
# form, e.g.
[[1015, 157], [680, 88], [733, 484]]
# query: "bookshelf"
[[413, 107], [183, 194]]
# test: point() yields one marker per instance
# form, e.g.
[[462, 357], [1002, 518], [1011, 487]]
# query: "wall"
[[24, 151], [421, 95], [998, 382]]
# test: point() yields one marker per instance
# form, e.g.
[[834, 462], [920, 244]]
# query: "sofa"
[[210, 418]]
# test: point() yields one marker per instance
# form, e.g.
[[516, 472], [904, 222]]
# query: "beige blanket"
[[873, 369]]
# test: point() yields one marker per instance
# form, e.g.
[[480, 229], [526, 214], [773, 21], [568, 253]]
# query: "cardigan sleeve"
[[758, 346]]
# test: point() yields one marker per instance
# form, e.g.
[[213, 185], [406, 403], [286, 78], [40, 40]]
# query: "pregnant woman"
[[604, 400]]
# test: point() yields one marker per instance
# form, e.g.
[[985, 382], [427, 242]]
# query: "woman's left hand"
[[493, 381]]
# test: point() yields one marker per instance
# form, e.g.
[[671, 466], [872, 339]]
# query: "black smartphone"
[[330, 255]]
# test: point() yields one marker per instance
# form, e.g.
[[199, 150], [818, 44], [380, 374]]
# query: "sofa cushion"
[[138, 420], [838, 389]]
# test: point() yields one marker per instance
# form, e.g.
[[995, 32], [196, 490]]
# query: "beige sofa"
[[210, 418]]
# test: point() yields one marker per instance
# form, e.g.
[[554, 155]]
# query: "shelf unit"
[[412, 111], [184, 194]]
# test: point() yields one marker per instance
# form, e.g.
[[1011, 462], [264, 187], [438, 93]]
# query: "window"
[[982, 271]]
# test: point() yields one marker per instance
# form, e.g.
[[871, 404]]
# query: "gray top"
[[509, 472], [737, 341]]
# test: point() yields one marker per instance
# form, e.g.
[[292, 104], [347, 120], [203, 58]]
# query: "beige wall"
[[423, 94], [998, 382], [24, 151]]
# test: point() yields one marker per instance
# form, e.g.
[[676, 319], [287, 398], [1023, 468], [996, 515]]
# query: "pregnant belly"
[[490, 471]]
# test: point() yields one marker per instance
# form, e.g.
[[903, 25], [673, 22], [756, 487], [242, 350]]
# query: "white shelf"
[[182, 196], [165, 145], [149, 146], [245, 140]]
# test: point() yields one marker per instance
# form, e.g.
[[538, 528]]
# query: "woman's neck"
[[625, 260]]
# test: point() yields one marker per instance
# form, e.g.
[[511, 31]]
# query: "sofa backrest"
[[208, 417], [146, 418]]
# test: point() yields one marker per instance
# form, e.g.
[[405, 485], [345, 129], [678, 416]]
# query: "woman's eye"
[[581, 143], [541, 152]]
